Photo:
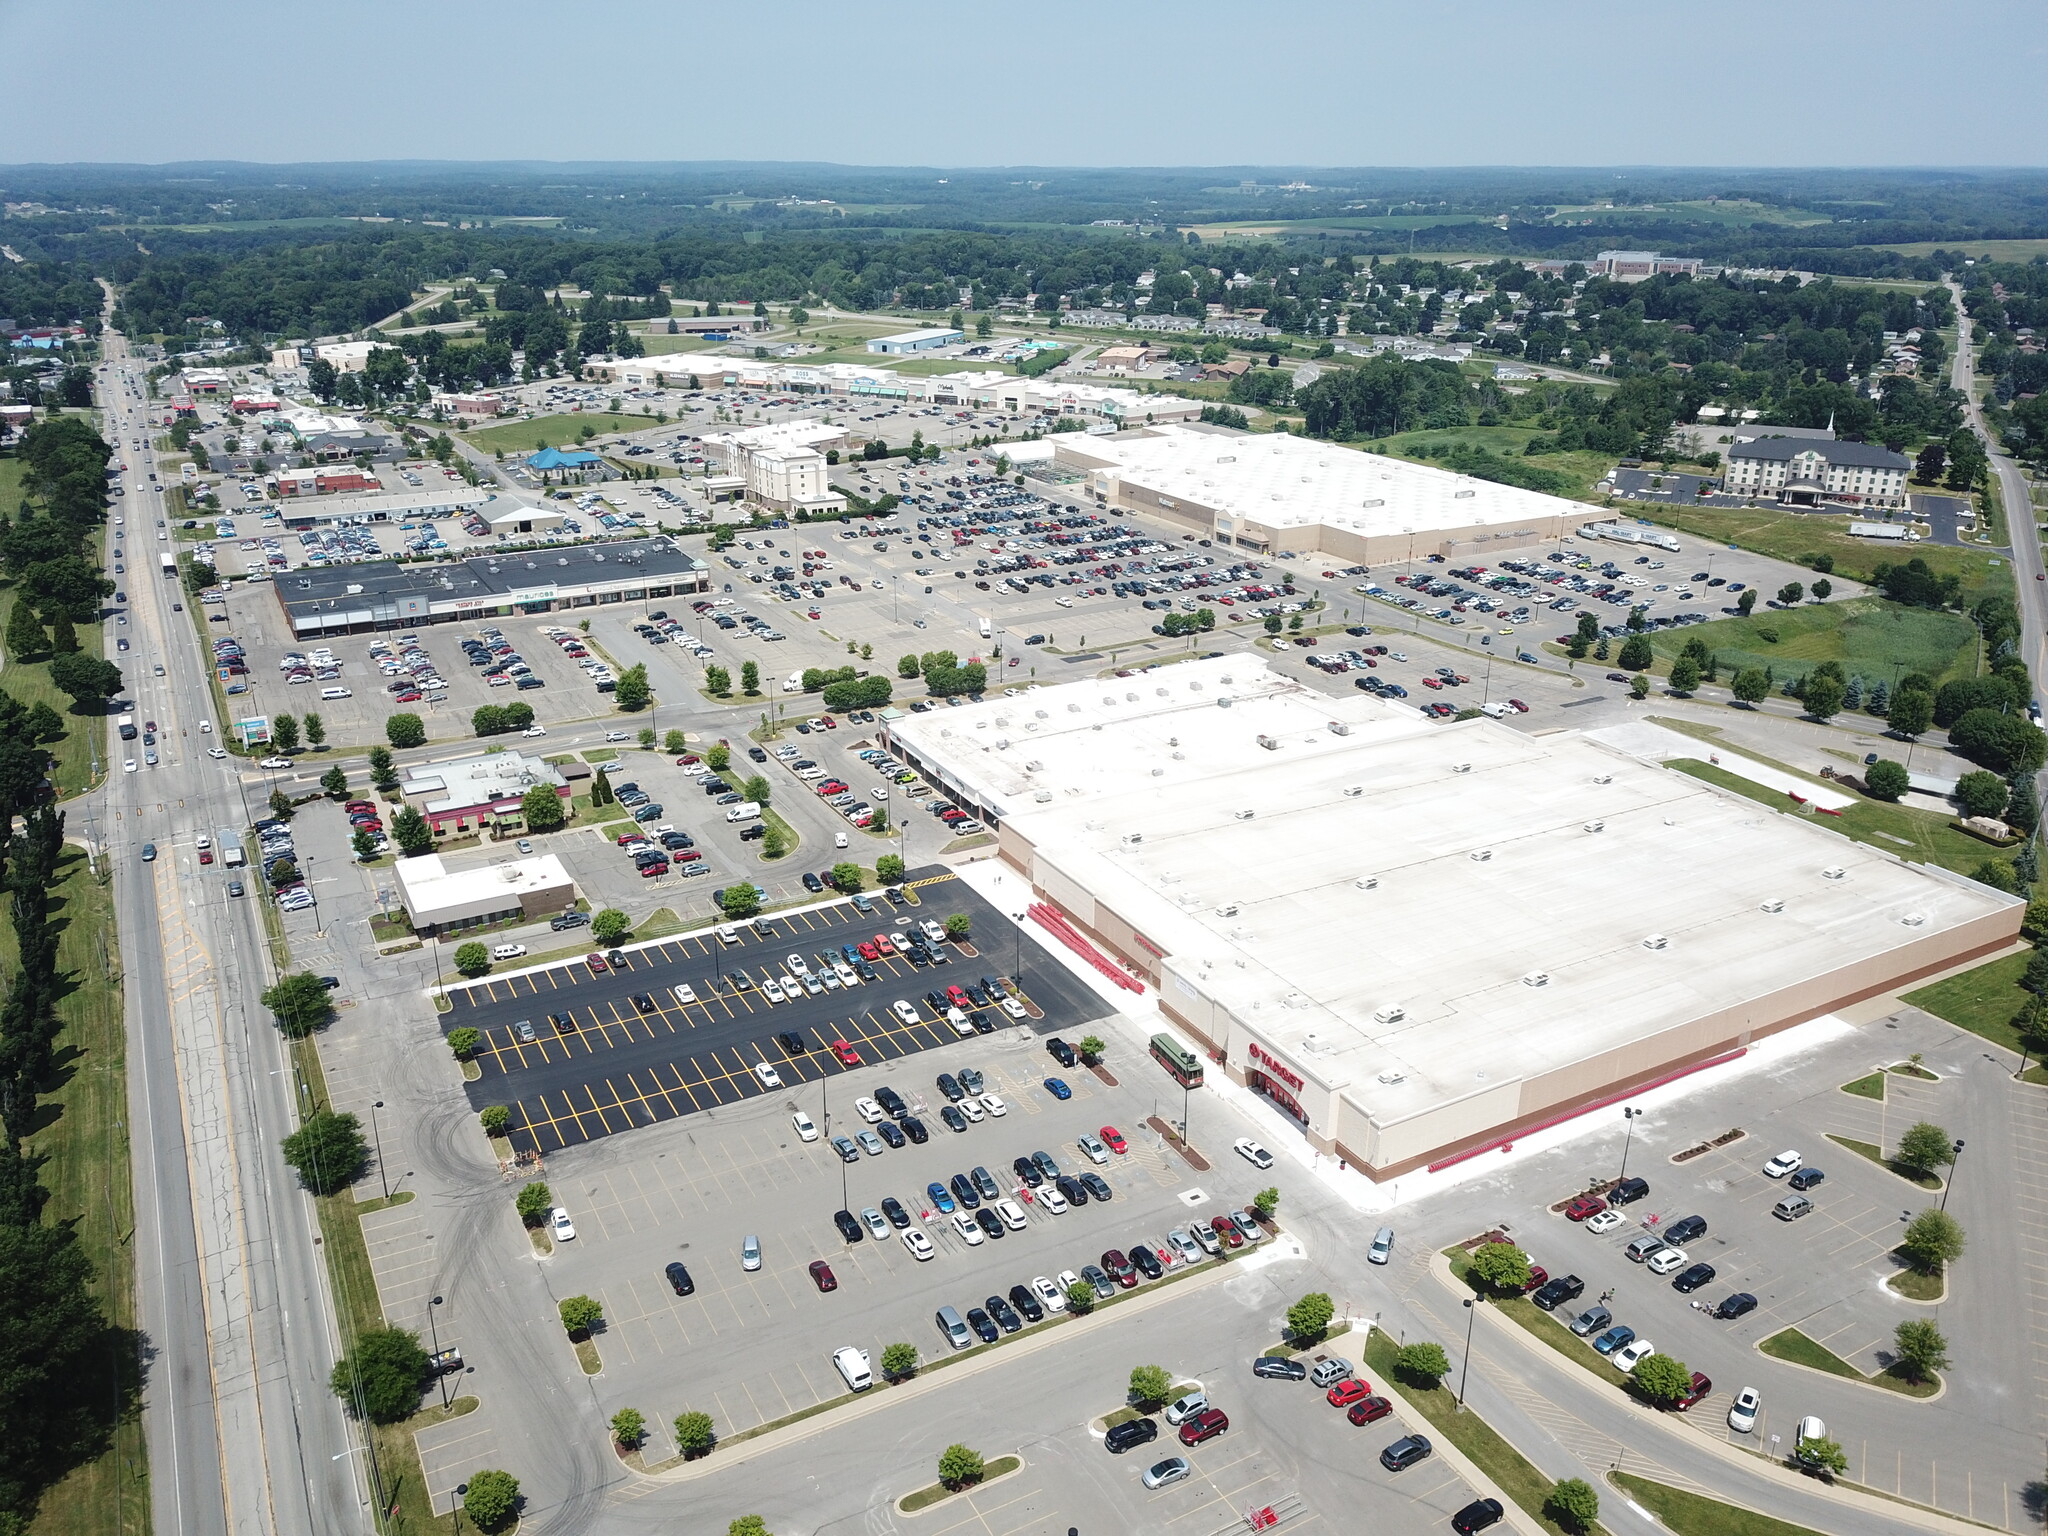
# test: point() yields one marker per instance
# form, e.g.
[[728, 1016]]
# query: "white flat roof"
[[1497, 856], [481, 780], [1283, 481], [928, 333], [430, 887], [390, 503]]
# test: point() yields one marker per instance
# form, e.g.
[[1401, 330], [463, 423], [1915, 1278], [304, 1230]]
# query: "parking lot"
[[611, 1065]]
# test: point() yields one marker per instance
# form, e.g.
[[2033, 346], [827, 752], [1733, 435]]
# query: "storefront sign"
[[1276, 1068], [1148, 946]]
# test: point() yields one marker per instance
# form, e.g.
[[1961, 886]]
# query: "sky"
[[916, 82]]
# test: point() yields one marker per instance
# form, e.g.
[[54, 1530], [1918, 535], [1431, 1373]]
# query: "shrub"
[[1885, 779], [889, 868], [1150, 1384], [1080, 1298], [1091, 1048], [899, 1362], [405, 731], [1574, 1502], [300, 1003], [380, 1378], [694, 1434], [580, 1314], [629, 1429], [1266, 1202], [609, 926], [1920, 1348], [958, 925], [1500, 1266], [1423, 1363], [1662, 1379], [472, 959], [1932, 1239], [491, 1499], [959, 1465]]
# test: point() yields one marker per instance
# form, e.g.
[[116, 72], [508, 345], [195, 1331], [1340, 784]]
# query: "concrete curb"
[[1761, 1466], [927, 1381]]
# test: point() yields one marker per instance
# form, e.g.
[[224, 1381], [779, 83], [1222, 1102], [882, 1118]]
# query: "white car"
[[965, 1226], [1783, 1164], [1092, 1146], [686, 993], [772, 990], [972, 1109], [1605, 1221], [750, 1253], [770, 1078], [868, 1110], [216, 752], [1012, 1214], [848, 976], [906, 1012], [1012, 1007], [1050, 1199], [877, 1223], [275, 762], [1252, 1152], [919, 1245], [535, 730], [560, 1224], [1052, 1296], [853, 1368], [1665, 1260], [798, 965], [128, 766], [1743, 1411], [1066, 1280], [994, 1104], [1631, 1355], [805, 1129]]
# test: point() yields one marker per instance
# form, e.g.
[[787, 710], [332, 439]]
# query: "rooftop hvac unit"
[[1536, 979], [1243, 815], [1034, 767], [1269, 744], [1603, 778], [1158, 773], [1223, 702], [1367, 882], [1392, 1078], [1228, 909], [1482, 855], [1353, 791], [1773, 905], [1132, 698], [1043, 796], [1002, 743], [1225, 678], [1132, 839], [1461, 767], [1596, 826], [1656, 941], [1463, 495], [1391, 1013], [1374, 501], [1833, 872], [1072, 709], [1914, 919], [1339, 728]]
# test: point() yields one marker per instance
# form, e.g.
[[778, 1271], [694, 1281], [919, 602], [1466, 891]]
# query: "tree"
[[383, 768], [1910, 711], [1981, 793], [846, 877], [899, 1362], [1639, 686], [2003, 743], [63, 637], [89, 680], [326, 1151], [1635, 653], [1933, 1240], [411, 832], [774, 842], [1080, 1298], [1752, 685], [300, 1003], [1091, 1048], [632, 693], [646, 737], [1823, 589], [464, 1041], [1823, 1455], [45, 724], [1274, 624], [1924, 1147], [693, 1433], [405, 731], [380, 1378], [492, 1499], [717, 757], [675, 742], [629, 1429], [958, 1466], [334, 782], [748, 1525], [1662, 1378], [750, 678], [1423, 1362], [1500, 1266], [609, 926], [1150, 1384], [889, 868], [281, 805], [487, 720], [717, 681], [1309, 1318], [958, 926], [1822, 697], [906, 666], [542, 810], [1267, 1201], [1790, 593], [580, 1314], [1885, 779], [472, 959], [316, 731], [739, 902], [1920, 1349], [1685, 675], [1574, 1502], [533, 1202], [1746, 602], [25, 635]]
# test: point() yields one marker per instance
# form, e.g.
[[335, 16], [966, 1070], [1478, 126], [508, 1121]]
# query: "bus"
[[169, 563], [1181, 1064]]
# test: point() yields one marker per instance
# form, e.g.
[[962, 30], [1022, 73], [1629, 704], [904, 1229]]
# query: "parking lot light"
[[1629, 1115], [1950, 1182], [1464, 1368]]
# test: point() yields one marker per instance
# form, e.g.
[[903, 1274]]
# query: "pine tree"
[[63, 638], [25, 635]]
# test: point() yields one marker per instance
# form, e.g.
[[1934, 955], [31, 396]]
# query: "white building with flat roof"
[[1274, 491], [439, 900], [1419, 940], [782, 463], [926, 340]]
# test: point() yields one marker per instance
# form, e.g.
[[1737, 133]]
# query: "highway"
[[232, 1302]]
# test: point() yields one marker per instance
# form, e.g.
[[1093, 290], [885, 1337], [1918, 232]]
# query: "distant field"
[[1703, 211], [1794, 535], [11, 471], [1584, 469], [1997, 250], [555, 431], [661, 344], [1359, 223], [1867, 635]]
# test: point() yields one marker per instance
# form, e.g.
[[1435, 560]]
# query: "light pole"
[[1628, 1115], [1949, 1182], [434, 1334], [375, 1135], [1471, 1312]]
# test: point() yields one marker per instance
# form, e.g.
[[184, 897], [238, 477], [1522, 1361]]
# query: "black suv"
[[1628, 1191], [1025, 1302], [950, 1087], [1129, 1433], [891, 1101], [1687, 1229]]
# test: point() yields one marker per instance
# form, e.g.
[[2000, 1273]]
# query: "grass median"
[[1875, 1154], [1795, 1348], [1693, 1514]]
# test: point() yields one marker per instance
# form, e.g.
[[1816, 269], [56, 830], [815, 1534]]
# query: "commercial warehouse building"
[[301, 510], [354, 599], [439, 901], [1276, 492], [917, 341], [1419, 940]]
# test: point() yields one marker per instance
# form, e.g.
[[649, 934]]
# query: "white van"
[[746, 810], [1497, 711], [852, 1365], [987, 630], [507, 951], [962, 1025], [336, 693]]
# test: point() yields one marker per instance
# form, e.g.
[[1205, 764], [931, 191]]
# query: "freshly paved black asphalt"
[[622, 1066]]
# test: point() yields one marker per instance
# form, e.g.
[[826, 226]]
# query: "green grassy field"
[[11, 471], [1997, 250], [29, 681], [88, 1178], [1692, 1514], [661, 344], [1736, 211], [1794, 1346], [556, 431], [1986, 1001], [1869, 636], [1795, 535], [1925, 837], [1583, 470]]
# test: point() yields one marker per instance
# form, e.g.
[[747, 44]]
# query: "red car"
[[407, 698], [686, 856], [1700, 1387], [1120, 1269], [206, 855], [957, 996], [1349, 1391], [846, 1053], [686, 759], [1113, 1139], [629, 837], [885, 944], [1518, 706], [650, 870], [1368, 1410], [1584, 1206], [596, 963], [822, 1276], [360, 805], [1206, 1425], [868, 951], [1226, 1229], [1538, 1278]]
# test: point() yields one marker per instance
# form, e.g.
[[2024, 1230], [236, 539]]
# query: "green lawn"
[[1512, 1472], [1924, 837], [1875, 1154], [1986, 1001], [1869, 636], [1871, 1087], [1796, 1348], [29, 681], [1582, 470], [81, 1132], [11, 471], [557, 431], [1692, 1514], [660, 344], [1793, 536]]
